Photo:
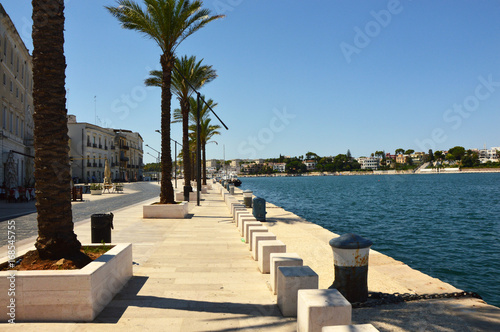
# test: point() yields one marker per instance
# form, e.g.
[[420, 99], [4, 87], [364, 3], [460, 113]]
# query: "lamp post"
[[175, 155], [157, 160]]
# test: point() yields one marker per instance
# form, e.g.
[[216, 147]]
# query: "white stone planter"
[[96, 191], [167, 211], [67, 295]]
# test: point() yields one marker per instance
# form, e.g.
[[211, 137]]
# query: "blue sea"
[[444, 225]]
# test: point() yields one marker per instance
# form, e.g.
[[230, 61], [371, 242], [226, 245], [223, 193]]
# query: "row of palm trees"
[[168, 23], [193, 71]]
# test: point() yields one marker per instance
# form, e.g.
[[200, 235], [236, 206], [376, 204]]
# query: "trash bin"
[[247, 198], [259, 209], [101, 225]]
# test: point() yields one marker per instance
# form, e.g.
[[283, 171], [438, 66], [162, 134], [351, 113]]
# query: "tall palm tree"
[[168, 23], [197, 74], [56, 238]]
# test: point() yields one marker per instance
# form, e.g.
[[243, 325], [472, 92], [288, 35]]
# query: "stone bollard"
[[350, 258], [231, 189], [247, 198]]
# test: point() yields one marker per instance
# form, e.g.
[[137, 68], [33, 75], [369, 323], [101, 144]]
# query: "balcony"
[[124, 147], [124, 159], [94, 145], [100, 164], [105, 147], [89, 164], [100, 146], [95, 164], [89, 144], [112, 147], [113, 164]]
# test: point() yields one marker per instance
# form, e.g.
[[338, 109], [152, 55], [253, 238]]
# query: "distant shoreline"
[[389, 172]]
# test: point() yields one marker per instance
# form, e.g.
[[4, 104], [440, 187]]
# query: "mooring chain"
[[376, 299]]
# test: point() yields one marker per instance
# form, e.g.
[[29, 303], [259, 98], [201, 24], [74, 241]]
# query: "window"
[[5, 47], [17, 92], [4, 122], [22, 129], [4, 79], [17, 125], [10, 85], [22, 97], [11, 122]]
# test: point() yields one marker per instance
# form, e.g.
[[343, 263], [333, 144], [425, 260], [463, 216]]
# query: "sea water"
[[444, 225]]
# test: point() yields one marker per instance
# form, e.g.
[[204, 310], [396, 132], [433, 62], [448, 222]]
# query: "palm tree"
[[207, 130], [196, 74], [168, 23], [56, 238]]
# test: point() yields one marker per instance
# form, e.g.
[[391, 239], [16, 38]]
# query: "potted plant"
[[96, 189]]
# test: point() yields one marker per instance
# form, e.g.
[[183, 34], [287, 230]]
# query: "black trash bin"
[[101, 225]]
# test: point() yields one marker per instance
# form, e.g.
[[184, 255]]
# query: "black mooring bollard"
[[350, 258]]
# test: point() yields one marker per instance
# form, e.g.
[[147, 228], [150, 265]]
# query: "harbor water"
[[444, 225]]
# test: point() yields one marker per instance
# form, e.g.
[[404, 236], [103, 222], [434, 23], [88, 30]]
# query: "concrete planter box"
[[67, 295], [96, 191], [165, 211]]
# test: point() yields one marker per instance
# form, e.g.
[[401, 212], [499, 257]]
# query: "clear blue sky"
[[298, 76]]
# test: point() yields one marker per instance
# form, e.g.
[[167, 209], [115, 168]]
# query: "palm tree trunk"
[[56, 238], [204, 151], [185, 148], [167, 190]]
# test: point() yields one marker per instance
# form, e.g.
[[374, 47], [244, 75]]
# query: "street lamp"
[[175, 155]]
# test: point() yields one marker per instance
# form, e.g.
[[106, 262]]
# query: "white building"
[[310, 164], [280, 167], [369, 163], [91, 145], [16, 107], [486, 155]]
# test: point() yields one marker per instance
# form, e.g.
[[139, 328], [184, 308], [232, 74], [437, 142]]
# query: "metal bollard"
[[247, 198], [350, 258], [259, 209]]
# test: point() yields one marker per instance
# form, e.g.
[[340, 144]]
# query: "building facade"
[[491, 155], [16, 107], [369, 163], [91, 146]]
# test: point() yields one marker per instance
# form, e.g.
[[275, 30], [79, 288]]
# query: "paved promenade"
[[197, 275]]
